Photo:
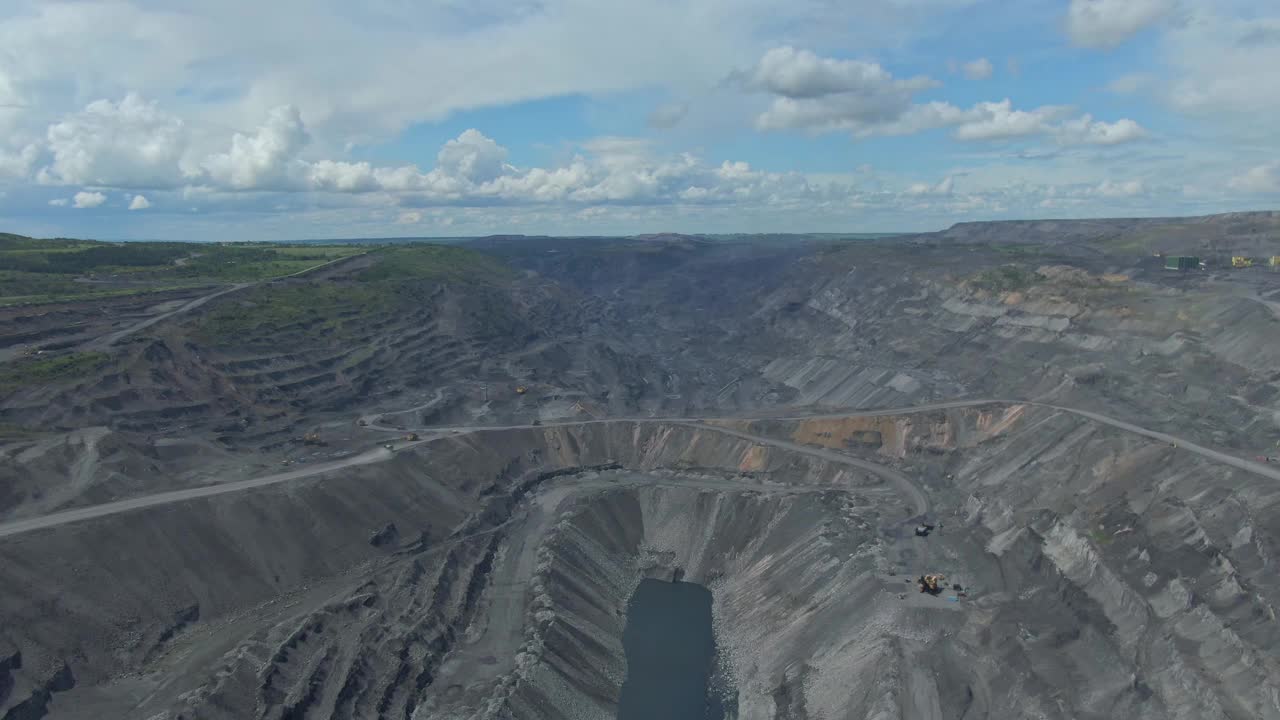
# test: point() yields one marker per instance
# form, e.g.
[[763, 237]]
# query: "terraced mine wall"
[[63, 599], [1105, 576]]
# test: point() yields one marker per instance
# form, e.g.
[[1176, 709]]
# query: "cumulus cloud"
[[799, 74], [411, 217], [1107, 23], [59, 202], [1087, 131], [18, 163], [1261, 179], [139, 203], [979, 69], [85, 199], [262, 160], [472, 156], [826, 95], [130, 143], [999, 120]]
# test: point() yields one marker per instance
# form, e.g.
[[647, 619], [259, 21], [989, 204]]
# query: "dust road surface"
[[164, 498], [908, 488], [110, 339], [919, 501], [1215, 455]]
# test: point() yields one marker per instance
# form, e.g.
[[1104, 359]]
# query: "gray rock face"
[[1103, 577], [485, 574]]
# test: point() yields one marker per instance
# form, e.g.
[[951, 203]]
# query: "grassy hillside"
[[37, 271], [400, 276], [46, 371]]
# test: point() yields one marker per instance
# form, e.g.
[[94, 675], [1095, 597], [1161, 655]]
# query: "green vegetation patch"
[[94, 257], [436, 262], [1006, 278], [39, 370], [239, 263], [403, 277], [321, 307], [38, 271]]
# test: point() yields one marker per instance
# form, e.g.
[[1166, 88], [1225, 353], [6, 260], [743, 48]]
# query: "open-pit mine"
[[1007, 470]]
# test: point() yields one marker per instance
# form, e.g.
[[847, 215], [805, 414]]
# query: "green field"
[[40, 271], [37, 370], [435, 262], [1005, 278], [401, 275]]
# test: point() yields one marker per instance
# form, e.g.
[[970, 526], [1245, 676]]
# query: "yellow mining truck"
[[1239, 261]]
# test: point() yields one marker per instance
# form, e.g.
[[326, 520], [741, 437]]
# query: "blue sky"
[[240, 120]]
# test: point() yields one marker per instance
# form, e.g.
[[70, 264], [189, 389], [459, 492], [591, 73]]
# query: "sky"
[[237, 120]]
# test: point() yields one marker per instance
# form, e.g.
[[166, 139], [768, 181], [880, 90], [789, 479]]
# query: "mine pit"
[[701, 472]]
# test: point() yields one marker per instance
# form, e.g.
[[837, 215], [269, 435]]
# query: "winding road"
[[905, 485]]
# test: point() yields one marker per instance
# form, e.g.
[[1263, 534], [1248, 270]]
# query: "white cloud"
[[1107, 23], [472, 156], [409, 218], [1222, 67], [59, 202], [1261, 179], [1087, 131], [1130, 188], [979, 69], [263, 160], [130, 143], [18, 163], [999, 120], [825, 95], [799, 74], [139, 203], [85, 199]]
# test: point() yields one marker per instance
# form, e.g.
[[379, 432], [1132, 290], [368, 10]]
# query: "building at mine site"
[[1181, 262]]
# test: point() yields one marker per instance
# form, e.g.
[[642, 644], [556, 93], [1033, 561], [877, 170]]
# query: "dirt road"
[[918, 499], [1263, 469], [905, 485], [164, 498], [373, 421], [105, 341]]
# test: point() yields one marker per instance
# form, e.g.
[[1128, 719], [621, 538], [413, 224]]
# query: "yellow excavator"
[[932, 584], [1239, 261]]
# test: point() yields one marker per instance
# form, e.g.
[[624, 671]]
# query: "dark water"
[[670, 654]]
